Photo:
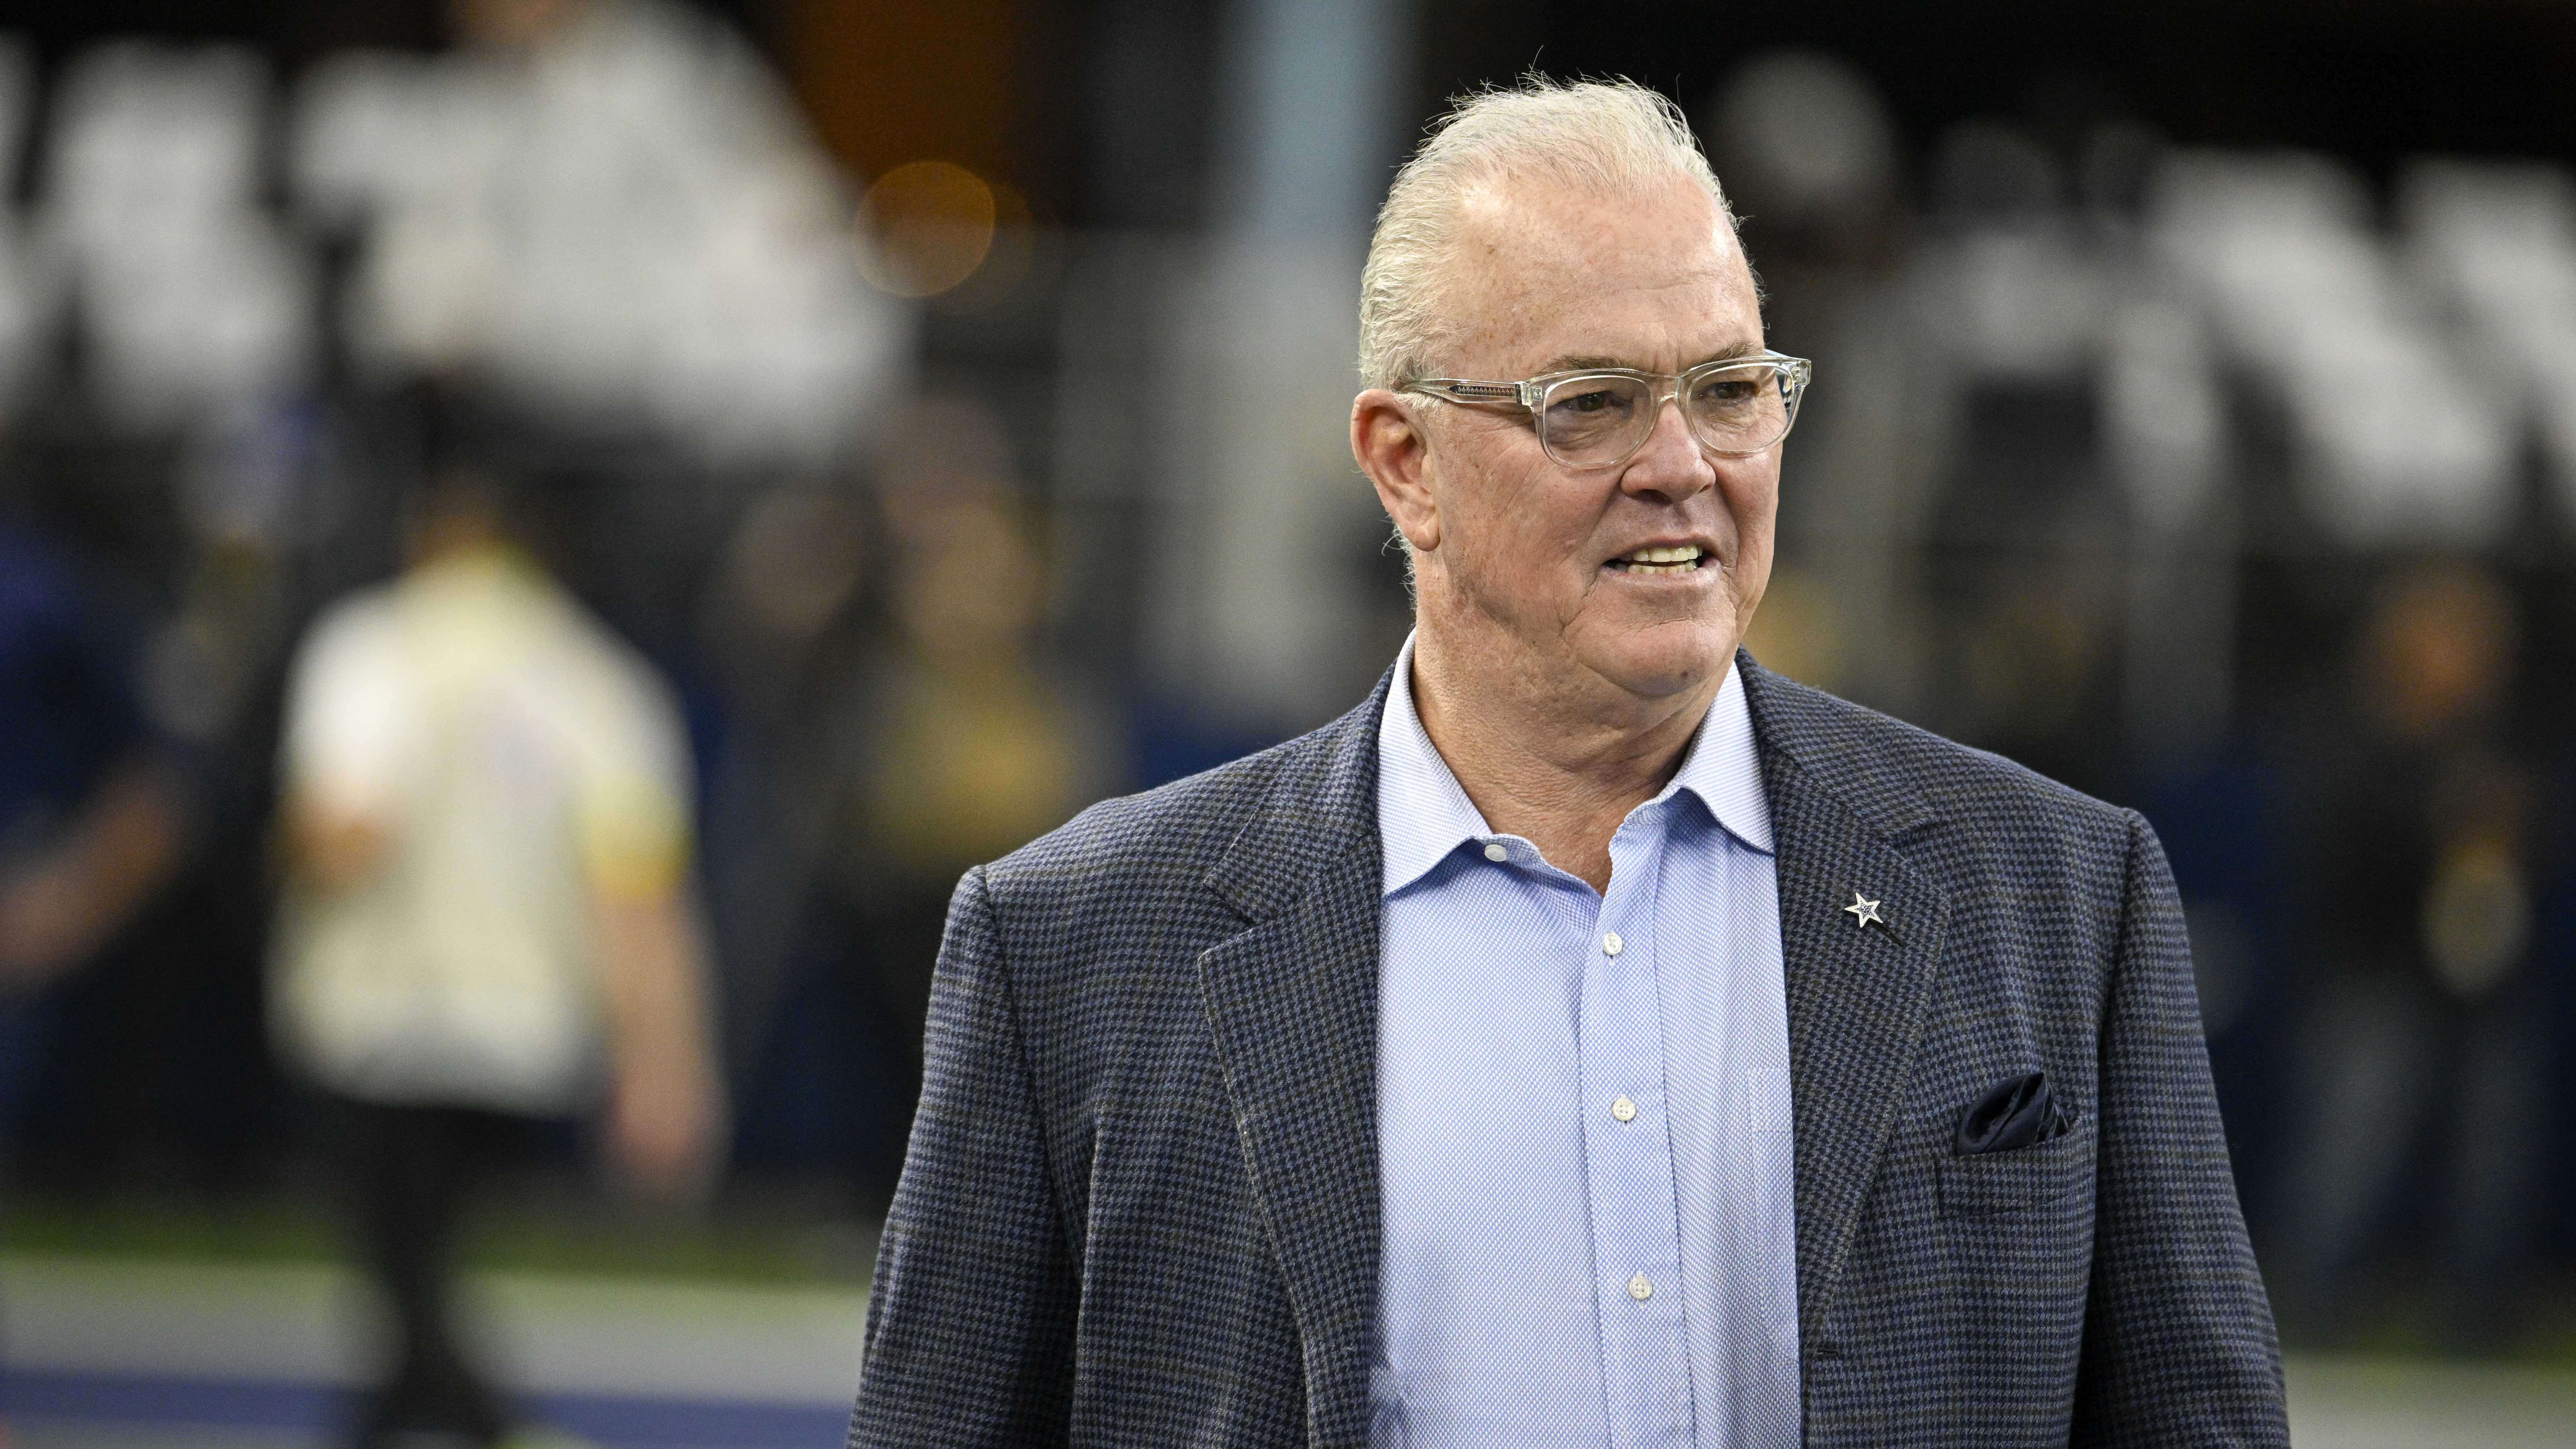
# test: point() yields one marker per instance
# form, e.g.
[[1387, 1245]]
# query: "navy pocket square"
[[2015, 1112]]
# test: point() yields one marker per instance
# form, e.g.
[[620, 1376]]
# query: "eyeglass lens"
[[1594, 420]]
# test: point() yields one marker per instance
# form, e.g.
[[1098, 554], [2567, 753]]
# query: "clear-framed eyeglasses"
[[1599, 417]]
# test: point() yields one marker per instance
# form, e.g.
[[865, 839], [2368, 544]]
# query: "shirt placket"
[[1628, 1155]]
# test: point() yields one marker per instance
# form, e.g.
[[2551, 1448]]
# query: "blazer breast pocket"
[[2003, 1182]]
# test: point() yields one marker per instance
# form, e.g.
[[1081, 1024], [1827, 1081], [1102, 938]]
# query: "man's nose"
[[1670, 465]]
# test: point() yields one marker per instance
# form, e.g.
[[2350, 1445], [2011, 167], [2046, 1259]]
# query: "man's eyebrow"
[[1581, 362], [1733, 352], [1587, 361]]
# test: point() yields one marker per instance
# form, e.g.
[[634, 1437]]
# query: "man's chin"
[[1667, 661]]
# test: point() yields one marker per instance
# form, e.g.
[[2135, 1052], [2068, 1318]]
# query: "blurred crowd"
[[2218, 485], [509, 616]]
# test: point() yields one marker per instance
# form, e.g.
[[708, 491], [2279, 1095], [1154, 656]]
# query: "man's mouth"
[[1680, 559]]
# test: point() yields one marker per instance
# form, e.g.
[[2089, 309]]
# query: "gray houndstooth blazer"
[[1141, 1205]]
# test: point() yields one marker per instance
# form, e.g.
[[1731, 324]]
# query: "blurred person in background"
[[781, 623], [487, 918], [954, 743], [2420, 1005], [91, 814]]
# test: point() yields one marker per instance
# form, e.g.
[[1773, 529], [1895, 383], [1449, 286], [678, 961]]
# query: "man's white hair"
[[1602, 136]]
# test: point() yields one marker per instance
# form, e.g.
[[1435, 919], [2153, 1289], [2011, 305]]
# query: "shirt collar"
[[1423, 814], [1724, 767]]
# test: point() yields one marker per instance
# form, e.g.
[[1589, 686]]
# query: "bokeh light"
[[925, 227]]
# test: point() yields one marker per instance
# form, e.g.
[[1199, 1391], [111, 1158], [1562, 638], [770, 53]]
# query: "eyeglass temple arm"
[[1464, 390]]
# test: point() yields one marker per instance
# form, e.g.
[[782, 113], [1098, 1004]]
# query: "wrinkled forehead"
[[1650, 276]]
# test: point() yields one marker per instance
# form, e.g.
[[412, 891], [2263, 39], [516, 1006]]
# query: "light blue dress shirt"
[[1583, 1118]]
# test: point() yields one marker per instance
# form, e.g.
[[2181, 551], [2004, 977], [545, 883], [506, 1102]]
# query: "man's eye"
[[1589, 402], [1728, 390]]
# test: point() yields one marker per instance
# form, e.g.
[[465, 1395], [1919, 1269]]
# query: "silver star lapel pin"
[[1863, 911]]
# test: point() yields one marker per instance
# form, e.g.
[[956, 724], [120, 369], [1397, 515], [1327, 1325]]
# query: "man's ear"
[[1389, 443]]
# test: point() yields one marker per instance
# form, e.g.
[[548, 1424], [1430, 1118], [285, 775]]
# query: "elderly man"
[[1591, 1039]]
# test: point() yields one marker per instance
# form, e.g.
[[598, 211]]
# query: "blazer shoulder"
[[1909, 774], [1180, 826], [1170, 837]]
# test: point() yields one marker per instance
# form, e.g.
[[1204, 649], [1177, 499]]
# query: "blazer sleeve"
[[970, 1327], [2178, 1340]]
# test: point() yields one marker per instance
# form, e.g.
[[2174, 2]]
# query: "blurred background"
[[893, 427]]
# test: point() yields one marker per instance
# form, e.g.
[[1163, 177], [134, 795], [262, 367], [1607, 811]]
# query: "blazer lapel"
[[1293, 1004], [1857, 991]]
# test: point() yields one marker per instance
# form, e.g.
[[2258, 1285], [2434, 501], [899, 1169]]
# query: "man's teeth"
[[1662, 560]]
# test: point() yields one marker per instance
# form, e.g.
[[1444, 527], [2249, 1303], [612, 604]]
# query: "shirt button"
[[1624, 1110], [1611, 945], [1640, 1289], [1496, 850]]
